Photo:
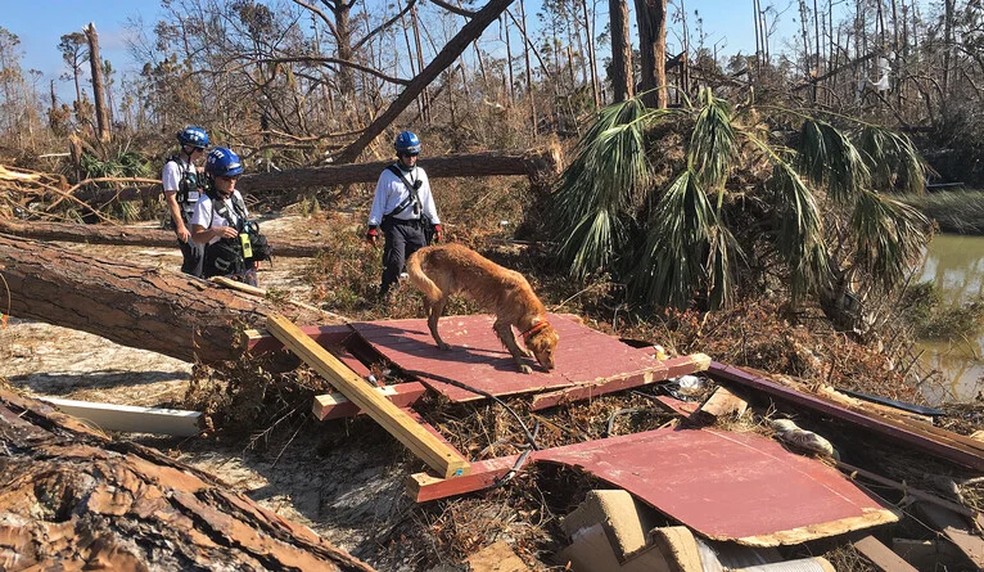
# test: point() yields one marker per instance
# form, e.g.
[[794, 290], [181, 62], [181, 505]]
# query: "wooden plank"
[[130, 418], [337, 406], [956, 531], [927, 438], [227, 282], [428, 448], [260, 342], [678, 406], [882, 556], [661, 371], [722, 403], [423, 487]]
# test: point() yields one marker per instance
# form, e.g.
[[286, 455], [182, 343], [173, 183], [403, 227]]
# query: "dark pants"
[[403, 238], [192, 253]]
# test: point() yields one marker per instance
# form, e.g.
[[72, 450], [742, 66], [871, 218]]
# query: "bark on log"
[[542, 166], [148, 308], [73, 499], [130, 236]]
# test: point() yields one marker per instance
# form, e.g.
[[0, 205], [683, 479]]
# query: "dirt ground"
[[353, 497]]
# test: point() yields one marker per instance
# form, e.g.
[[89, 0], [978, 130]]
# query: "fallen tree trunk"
[[130, 236], [148, 308], [541, 166], [71, 498]]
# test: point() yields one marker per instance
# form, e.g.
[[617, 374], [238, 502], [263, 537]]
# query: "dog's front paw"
[[523, 368], [526, 352]]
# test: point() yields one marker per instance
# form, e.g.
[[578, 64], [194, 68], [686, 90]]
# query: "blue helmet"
[[222, 162], [193, 136], [407, 143]]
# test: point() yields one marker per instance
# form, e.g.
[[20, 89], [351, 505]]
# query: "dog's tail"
[[419, 279]]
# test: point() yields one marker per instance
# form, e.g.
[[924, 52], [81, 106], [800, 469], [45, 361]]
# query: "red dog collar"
[[537, 328]]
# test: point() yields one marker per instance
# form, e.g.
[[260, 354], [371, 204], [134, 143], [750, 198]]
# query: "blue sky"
[[40, 23]]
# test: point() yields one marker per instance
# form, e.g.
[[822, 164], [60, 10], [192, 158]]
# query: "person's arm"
[[203, 235], [378, 205], [170, 178]]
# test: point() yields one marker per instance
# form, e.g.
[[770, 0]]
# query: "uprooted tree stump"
[[148, 308], [73, 499]]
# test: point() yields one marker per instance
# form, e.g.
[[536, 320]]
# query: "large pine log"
[[100, 234], [148, 308], [541, 166], [71, 499]]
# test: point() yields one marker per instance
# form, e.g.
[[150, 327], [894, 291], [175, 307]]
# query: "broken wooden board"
[[726, 486], [260, 342], [673, 367], [722, 403], [882, 556], [938, 442], [337, 406], [955, 529], [130, 418], [478, 359], [446, 461]]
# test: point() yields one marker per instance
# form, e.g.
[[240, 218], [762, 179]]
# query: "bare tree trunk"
[[419, 50], [98, 87], [79, 501], [623, 80], [651, 18], [147, 308], [529, 70], [947, 47], [130, 236], [592, 61], [537, 164], [504, 24], [472, 30]]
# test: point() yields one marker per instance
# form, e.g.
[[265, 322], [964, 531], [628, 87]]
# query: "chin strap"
[[534, 330]]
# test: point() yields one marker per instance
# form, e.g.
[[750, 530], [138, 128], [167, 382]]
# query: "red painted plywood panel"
[[479, 360], [728, 486]]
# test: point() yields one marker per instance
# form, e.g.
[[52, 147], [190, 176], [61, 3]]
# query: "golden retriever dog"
[[442, 270]]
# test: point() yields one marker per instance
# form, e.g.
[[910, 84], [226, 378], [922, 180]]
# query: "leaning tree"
[[694, 204]]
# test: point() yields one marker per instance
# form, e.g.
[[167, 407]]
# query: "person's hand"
[[182, 232], [372, 235], [438, 233], [227, 232]]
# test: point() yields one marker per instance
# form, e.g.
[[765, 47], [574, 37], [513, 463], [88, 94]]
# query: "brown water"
[[956, 264]]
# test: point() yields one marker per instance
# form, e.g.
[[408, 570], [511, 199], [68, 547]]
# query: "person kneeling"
[[221, 223]]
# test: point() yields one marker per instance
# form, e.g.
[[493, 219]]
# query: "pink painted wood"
[[724, 485], [478, 359]]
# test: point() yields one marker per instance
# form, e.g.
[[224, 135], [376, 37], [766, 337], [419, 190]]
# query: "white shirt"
[[204, 218], [171, 177], [391, 192]]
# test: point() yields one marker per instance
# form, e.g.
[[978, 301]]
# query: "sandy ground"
[[351, 496]]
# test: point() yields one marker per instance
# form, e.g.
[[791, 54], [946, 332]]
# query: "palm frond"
[[712, 143], [610, 167], [687, 250], [893, 160], [889, 237], [828, 157], [799, 235]]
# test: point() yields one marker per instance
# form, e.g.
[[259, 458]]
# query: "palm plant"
[[693, 204]]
